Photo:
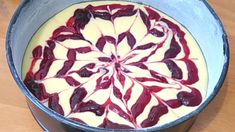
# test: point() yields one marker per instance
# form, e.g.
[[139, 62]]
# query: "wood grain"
[[16, 117]]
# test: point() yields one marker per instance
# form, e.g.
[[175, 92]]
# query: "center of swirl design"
[[112, 62]]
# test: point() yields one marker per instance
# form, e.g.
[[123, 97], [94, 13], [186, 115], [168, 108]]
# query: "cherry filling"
[[82, 17], [113, 71]]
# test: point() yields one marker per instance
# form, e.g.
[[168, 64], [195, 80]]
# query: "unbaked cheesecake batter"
[[116, 65]]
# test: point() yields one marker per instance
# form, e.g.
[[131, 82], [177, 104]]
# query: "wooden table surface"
[[16, 117]]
